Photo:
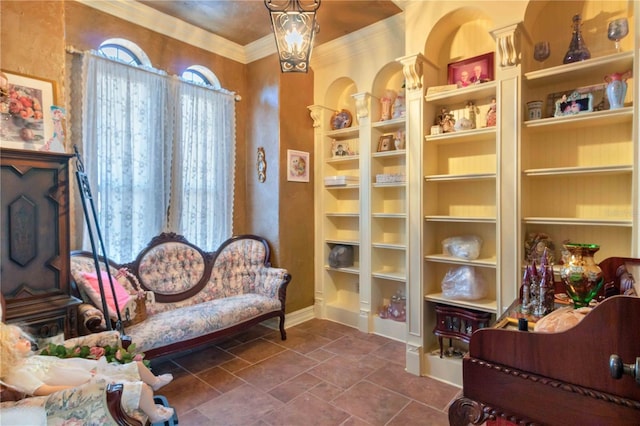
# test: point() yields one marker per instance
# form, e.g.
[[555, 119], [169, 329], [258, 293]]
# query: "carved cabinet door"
[[34, 251]]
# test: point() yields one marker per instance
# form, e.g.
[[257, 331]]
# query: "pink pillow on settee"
[[92, 288]]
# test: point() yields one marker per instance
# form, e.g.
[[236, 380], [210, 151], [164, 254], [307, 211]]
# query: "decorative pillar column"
[[509, 229], [319, 114], [363, 109], [412, 68]]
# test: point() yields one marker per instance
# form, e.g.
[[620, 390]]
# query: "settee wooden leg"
[[283, 334]]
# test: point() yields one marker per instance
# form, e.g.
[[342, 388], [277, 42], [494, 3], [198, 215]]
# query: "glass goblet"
[[618, 29], [541, 51]]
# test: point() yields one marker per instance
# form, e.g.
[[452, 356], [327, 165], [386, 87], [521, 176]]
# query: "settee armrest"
[[272, 282]]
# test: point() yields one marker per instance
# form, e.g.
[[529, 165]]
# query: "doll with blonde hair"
[[39, 375]]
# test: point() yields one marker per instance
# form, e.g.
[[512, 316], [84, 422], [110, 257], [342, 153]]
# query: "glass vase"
[[581, 275], [577, 48]]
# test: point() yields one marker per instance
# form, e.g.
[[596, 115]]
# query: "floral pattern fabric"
[[197, 320], [171, 268], [84, 405]]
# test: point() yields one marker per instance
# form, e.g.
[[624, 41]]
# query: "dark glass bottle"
[[577, 49]]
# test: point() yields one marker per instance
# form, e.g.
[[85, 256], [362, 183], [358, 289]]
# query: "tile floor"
[[324, 374]]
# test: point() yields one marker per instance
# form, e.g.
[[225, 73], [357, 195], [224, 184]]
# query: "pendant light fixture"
[[294, 26]]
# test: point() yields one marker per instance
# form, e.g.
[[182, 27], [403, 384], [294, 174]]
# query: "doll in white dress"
[[42, 374]]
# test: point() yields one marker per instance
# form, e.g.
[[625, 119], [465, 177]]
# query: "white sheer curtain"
[[126, 152], [202, 192], [160, 156]]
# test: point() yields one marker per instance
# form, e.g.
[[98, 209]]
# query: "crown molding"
[[260, 48], [323, 55], [345, 47], [150, 18]]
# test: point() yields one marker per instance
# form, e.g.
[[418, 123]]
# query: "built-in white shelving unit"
[[573, 177]]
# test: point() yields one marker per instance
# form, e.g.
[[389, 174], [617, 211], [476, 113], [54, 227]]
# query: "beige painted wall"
[[281, 210], [34, 37], [296, 208]]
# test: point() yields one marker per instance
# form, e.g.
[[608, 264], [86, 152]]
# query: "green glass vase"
[[581, 275]]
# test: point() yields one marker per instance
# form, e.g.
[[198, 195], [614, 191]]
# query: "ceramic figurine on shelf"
[[492, 113], [446, 121], [535, 246], [399, 106], [473, 113], [386, 104]]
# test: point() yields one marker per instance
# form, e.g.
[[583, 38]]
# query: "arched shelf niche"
[[340, 96], [390, 77], [552, 21], [461, 34]]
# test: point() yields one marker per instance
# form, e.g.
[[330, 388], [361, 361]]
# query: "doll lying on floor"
[[42, 375]]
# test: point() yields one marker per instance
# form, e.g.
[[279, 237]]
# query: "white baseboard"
[[291, 319]]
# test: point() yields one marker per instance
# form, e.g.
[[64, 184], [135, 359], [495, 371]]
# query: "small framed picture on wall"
[[26, 111], [297, 166]]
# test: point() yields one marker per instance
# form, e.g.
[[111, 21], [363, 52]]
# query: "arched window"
[[201, 75], [124, 51], [137, 116]]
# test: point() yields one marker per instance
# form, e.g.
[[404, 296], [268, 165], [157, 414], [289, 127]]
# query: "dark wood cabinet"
[[458, 323], [34, 255]]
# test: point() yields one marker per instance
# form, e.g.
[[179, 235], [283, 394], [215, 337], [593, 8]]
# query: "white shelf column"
[[363, 108], [508, 229], [415, 129]]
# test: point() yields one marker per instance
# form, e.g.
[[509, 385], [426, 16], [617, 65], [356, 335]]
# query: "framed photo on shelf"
[[385, 143], [476, 70], [340, 149], [600, 100], [26, 105], [575, 103], [297, 166]]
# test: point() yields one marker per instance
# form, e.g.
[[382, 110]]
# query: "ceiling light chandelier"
[[294, 26]]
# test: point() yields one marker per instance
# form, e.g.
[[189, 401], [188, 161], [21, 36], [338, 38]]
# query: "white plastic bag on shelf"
[[464, 283], [464, 246]]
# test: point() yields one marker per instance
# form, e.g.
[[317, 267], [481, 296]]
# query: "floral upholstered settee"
[[191, 296], [94, 403]]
